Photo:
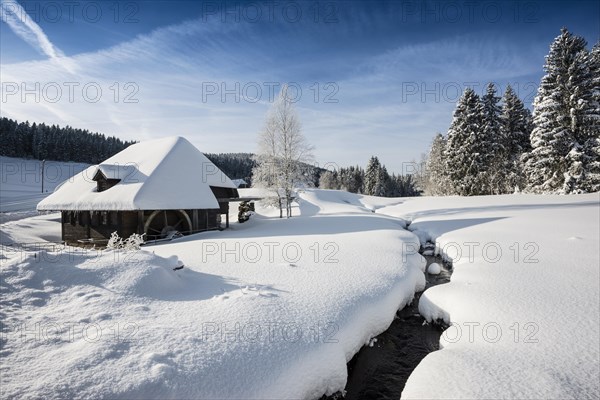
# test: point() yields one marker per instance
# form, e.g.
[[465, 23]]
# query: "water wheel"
[[163, 224]]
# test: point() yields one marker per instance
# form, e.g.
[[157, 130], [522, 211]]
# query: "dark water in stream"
[[381, 371]]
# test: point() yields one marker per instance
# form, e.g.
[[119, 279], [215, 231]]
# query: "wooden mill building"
[[157, 188]]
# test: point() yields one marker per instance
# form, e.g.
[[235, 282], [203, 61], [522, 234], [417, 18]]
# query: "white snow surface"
[[160, 174], [21, 184], [271, 308], [31, 231], [523, 299], [529, 321]]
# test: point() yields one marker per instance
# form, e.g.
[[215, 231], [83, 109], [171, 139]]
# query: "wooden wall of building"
[[99, 225]]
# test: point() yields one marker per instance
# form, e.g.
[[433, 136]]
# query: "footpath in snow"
[[523, 299], [267, 309]]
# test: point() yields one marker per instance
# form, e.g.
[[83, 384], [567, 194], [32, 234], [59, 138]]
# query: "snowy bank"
[[523, 299]]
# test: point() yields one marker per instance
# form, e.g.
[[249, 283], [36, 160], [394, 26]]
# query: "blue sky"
[[373, 78]]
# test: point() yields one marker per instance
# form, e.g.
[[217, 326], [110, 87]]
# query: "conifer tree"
[[557, 118], [384, 185], [372, 176], [515, 132], [437, 178], [462, 161], [491, 149], [591, 147]]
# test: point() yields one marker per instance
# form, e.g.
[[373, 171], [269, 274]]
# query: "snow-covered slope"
[[268, 309], [21, 184], [523, 300]]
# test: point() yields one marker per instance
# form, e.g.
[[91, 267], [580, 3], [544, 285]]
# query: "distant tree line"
[[495, 147], [41, 141], [374, 180], [52, 142], [241, 166], [234, 165]]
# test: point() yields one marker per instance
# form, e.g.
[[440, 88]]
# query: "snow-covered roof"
[[159, 174], [114, 171]]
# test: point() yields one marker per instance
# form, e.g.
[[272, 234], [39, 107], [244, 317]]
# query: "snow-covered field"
[[275, 308], [21, 184]]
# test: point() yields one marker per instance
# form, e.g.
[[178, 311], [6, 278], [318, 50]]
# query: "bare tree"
[[283, 156]]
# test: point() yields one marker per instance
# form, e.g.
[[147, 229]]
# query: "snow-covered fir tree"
[[351, 179], [515, 132], [420, 174], [384, 186], [372, 176], [591, 147], [403, 186], [593, 111], [490, 149], [556, 163], [461, 158], [583, 175], [329, 180], [436, 173]]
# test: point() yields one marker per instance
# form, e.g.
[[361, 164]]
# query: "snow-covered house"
[[154, 187]]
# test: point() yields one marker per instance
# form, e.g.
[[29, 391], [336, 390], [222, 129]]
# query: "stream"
[[380, 370]]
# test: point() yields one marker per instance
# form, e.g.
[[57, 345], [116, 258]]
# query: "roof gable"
[[98, 175]]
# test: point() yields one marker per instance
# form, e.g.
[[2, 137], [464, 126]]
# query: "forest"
[[52, 142], [497, 146]]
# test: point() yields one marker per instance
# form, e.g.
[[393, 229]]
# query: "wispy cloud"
[[478, 57], [165, 72], [23, 26]]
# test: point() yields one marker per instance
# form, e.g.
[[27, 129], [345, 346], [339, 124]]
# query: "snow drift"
[[268, 309]]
